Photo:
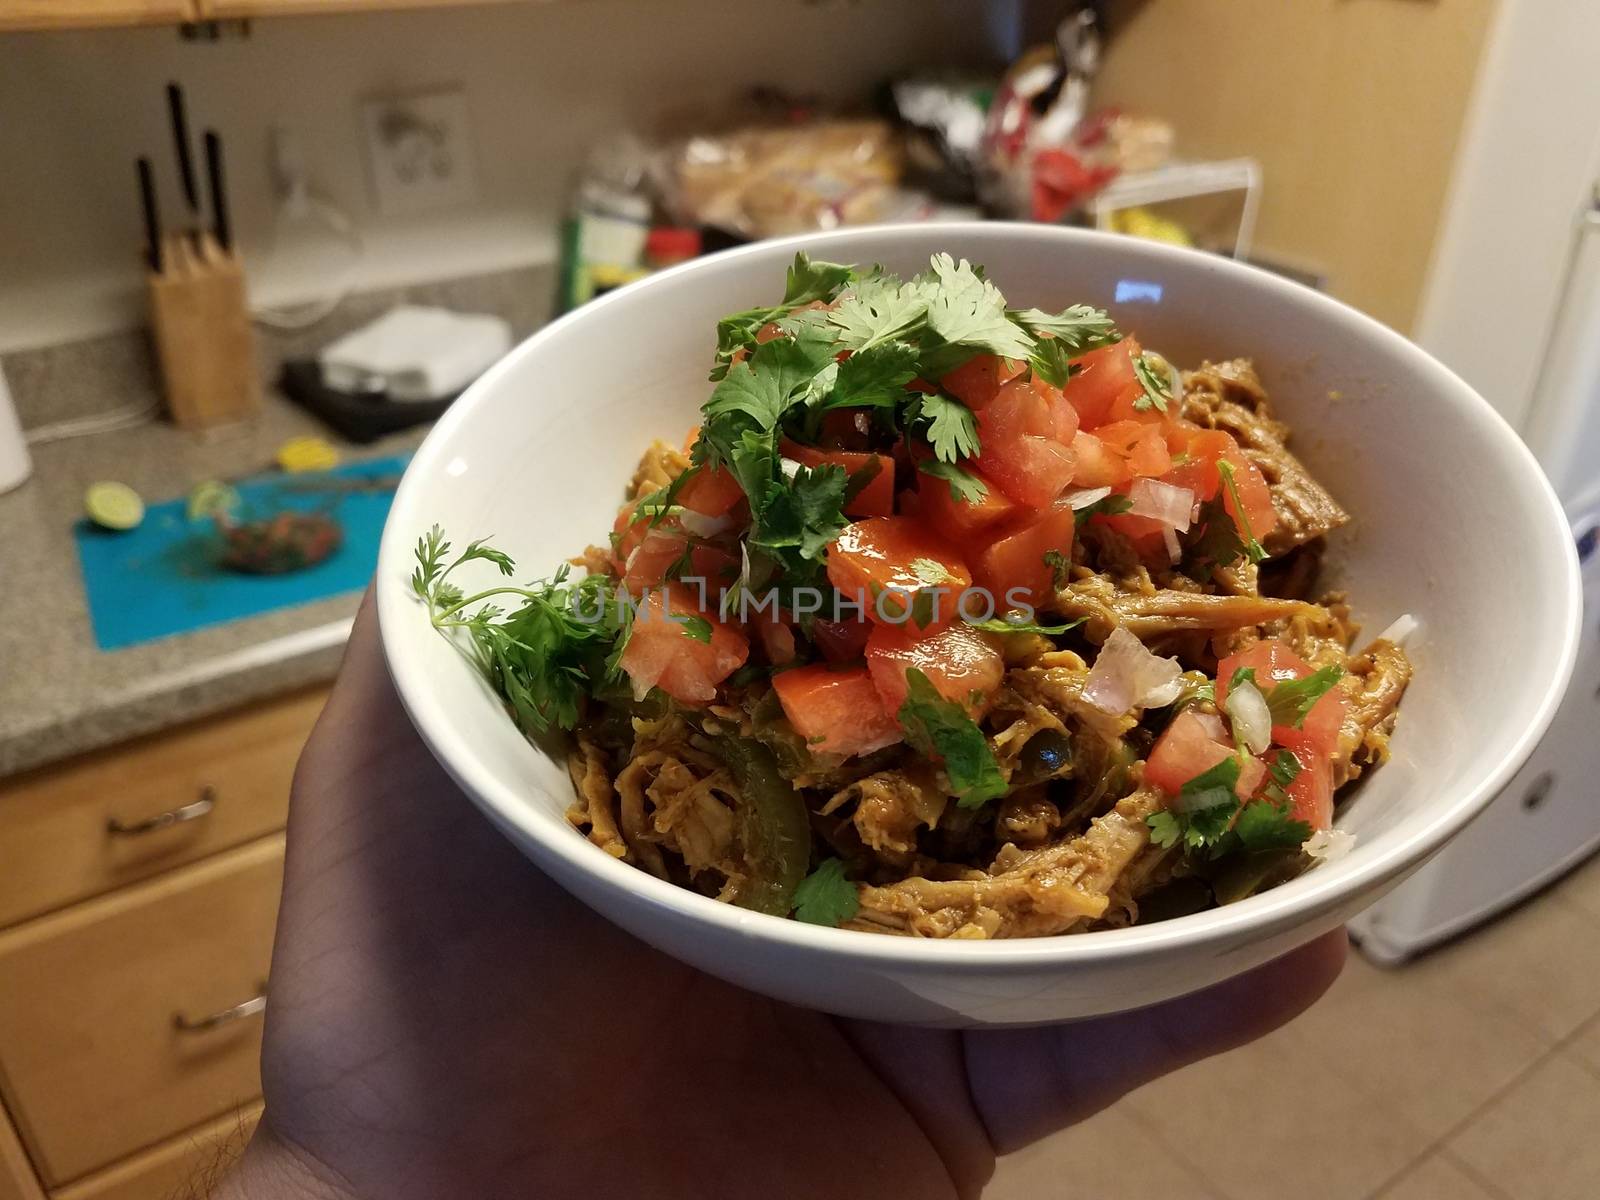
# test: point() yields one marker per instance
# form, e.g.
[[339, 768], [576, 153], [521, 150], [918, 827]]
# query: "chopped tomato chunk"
[[1149, 455], [962, 663], [1311, 791], [1254, 495], [1012, 566], [897, 567], [836, 710], [1187, 750], [977, 381], [661, 653], [1198, 471], [1105, 386], [1274, 662], [711, 493], [1098, 465], [961, 519], [874, 500], [1025, 443]]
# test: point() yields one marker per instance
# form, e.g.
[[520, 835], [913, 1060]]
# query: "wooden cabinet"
[[138, 893], [111, 819], [69, 14], [169, 1170], [278, 8]]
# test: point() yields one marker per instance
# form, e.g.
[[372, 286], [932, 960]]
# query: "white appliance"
[[1547, 820]]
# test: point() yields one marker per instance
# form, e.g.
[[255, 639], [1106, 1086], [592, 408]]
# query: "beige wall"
[[1353, 107]]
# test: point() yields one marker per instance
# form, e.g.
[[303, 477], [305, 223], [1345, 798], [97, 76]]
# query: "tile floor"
[[1471, 1074]]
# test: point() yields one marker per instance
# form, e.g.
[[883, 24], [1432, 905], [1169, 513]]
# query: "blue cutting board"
[[162, 579]]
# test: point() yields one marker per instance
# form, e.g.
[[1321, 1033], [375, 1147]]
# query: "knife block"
[[204, 342]]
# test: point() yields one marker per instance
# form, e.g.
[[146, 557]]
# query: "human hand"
[[447, 1022]]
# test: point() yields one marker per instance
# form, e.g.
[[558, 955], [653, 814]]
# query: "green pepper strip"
[[776, 830]]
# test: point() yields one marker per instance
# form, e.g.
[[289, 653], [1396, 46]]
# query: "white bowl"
[[1453, 523]]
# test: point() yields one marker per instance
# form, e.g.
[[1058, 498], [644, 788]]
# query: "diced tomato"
[[769, 332], [846, 428], [654, 551], [1014, 561], [660, 652], [962, 663], [977, 381], [1104, 382], [1026, 443], [1274, 662], [1252, 774], [1098, 465], [922, 573], [777, 639], [961, 519], [1186, 750], [836, 710], [841, 641], [1122, 435], [711, 493], [1198, 471], [874, 500], [1311, 791], [1254, 495], [1149, 455]]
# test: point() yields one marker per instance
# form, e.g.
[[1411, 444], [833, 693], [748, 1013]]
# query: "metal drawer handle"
[[256, 1004], [192, 811]]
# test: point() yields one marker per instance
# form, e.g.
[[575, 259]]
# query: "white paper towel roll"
[[15, 466]]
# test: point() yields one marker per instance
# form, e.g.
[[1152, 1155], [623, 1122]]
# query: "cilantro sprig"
[[941, 728], [543, 658]]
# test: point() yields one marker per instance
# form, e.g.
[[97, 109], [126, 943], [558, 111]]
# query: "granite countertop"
[[60, 695]]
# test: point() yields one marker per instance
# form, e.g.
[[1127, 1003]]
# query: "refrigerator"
[[1547, 820]]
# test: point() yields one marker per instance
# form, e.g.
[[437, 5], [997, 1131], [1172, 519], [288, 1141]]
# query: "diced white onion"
[[1402, 628], [1084, 497], [1212, 725], [1329, 844], [1252, 719], [1164, 502], [788, 466], [1127, 676], [701, 525], [1169, 539]]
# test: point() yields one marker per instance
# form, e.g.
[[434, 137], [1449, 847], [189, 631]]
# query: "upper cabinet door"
[[68, 14]]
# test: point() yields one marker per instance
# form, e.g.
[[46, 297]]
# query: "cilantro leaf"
[[1263, 825], [1218, 543], [1204, 809], [964, 485], [1051, 361], [1079, 328], [1156, 383], [1291, 701], [764, 386], [965, 309], [1247, 540], [872, 378], [1166, 830], [881, 309], [939, 727], [1001, 625], [826, 897], [804, 513], [952, 429], [810, 280], [695, 627]]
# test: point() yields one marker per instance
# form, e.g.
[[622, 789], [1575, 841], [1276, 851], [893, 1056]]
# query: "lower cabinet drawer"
[[192, 1160], [117, 816], [128, 1019]]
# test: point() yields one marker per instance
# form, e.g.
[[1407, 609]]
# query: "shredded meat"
[[1027, 819], [660, 465], [592, 782], [889, 809], [1375, 680], [1104, 606], [1229, 396], [1027, 893]]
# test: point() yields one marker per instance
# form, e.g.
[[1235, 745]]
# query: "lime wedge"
[[209, 498], [113, 505]]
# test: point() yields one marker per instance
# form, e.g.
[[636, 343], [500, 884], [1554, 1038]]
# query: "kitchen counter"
[[60, 695]]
